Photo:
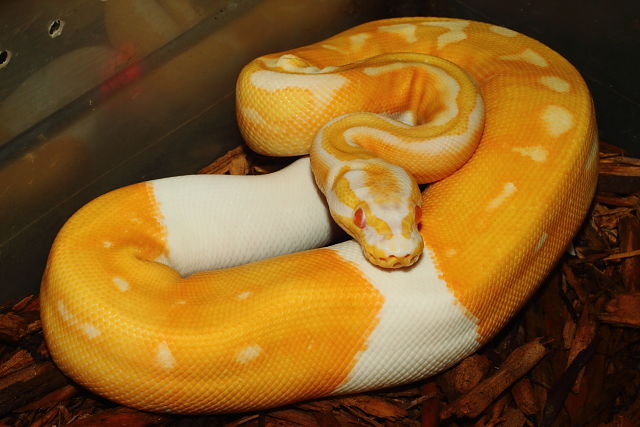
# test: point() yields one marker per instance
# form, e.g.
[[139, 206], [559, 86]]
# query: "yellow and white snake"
[[144, 300]]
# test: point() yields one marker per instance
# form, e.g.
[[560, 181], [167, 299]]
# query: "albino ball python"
[[133, 309]]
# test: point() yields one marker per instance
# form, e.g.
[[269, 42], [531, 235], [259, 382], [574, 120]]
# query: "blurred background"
[[97, 94]]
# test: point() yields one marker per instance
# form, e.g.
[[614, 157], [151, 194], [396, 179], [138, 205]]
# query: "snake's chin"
[[394, 261]]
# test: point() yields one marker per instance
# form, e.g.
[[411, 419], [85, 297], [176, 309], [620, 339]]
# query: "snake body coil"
[[144, 300]]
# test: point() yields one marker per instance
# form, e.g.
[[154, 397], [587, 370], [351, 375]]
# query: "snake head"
[[384, 221], [389, 238]]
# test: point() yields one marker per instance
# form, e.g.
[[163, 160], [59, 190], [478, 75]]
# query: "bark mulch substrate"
[[570, 357]]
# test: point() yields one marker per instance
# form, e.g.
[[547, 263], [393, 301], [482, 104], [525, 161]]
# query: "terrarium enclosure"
[[98, 94]]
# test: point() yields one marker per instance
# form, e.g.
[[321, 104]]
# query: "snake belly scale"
[[144, 300]]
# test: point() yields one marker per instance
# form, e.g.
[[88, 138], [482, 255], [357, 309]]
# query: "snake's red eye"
[[418, 214], [359, 218]]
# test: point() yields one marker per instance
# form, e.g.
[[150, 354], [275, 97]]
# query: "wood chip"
[[468, 373], [623, 310], [524, 396], [520, 361], [119, 417], [621, 178]]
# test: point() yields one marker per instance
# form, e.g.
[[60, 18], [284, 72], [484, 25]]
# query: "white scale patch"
[[164, 357], [593, 153], [121, 284], [507, 191], [248, 354], [331, 47], [451, 252], [90, 330], [217, 202], [66, 315], [543, 238], [556, 83], [322, 86], [107, 244], [252, 115], [406, 31], [295, 64], [528, 56], [387, 68], [358, 40], [455, 33], [557, 120], [431, 336], [87, 328], [506, 32], [243, 295], [536, 153]]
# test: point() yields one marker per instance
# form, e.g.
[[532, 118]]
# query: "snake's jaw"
[[402, 259], [395, 252]]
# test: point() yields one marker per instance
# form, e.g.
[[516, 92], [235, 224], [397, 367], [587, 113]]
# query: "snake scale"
[[197, 294]]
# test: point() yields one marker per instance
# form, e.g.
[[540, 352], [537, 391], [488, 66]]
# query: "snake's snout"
[[402, 261], [394, 260]]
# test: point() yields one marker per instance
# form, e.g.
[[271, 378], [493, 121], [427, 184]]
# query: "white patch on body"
[[406, 31], [243, 295], [200, 214], [555, 83], [432, 336], [252, 115], [248, 354], [387, 68], [506, 32], [541, 240], [121, 284], [321, 86], [90, 330], [455, 33], [557, 120], [331, 47], [527, 55], [164, 357], [294, 64], [451, 252], [66, 315], [508, 190], [536, 153], [593, 153], [358, 40]]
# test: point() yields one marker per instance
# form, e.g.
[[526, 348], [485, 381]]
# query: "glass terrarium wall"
[[99, 94]]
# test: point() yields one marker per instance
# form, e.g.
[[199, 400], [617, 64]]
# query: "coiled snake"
[[141, 304]]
